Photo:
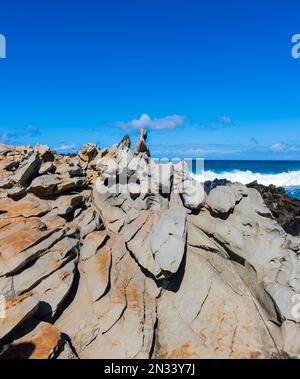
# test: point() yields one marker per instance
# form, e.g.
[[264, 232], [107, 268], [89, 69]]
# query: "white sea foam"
[[283, 179]]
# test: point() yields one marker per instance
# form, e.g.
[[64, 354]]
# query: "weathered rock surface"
[[44, 342], [108, 254], [285, 209]]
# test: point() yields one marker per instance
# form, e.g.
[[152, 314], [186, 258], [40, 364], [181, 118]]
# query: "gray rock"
[[89, 152], [90, 223], [72, 184], [192, 194], [45, 152], [27, 171], [16, 191], [161, 178], [291, 338], [222, 200], [168, 241], [45, 185], [211, 315], [66, 204], [47, 168], [141, 146], [125, 143]]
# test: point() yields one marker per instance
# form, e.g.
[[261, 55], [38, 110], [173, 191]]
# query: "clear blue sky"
[[211, 78]]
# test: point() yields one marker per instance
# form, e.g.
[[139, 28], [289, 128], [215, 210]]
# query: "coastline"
[[92, 269]]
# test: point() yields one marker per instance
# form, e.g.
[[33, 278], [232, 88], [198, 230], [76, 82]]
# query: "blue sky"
[[213, 78]]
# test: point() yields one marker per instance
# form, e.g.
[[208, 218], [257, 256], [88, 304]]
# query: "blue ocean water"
[[280, 173]]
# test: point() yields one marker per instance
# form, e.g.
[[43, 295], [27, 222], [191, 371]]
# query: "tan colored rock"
[[55, 258], [136, 272], [92, 243], [97, 270], [54, 290], [17, 311], [23, 240], [28, 206], [44, 342]]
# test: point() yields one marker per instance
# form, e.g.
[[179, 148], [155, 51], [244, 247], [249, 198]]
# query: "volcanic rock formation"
[[108, 254]]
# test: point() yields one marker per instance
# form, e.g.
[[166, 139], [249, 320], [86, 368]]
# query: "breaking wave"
[[283, 179]]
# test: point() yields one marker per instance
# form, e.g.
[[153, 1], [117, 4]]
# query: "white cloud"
[[219, 123], [281, 147], [277, 147], [226, 120], [13, 137], [145, 121], [66, 147]]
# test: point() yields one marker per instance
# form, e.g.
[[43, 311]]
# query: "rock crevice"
[[109, 254]]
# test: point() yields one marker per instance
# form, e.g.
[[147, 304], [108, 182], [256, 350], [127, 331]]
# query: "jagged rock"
[[250, 233], [97, 270], [210, 185], [89, 152], [75, 170], [44, 342], [47, 168], [56, 257], [168, 241], [161, 178], [138, 234], [71, 184], [17, 310], [71, 168], [285, 209], [45, 152], [92, 243], [66, 204], [27, 171], [22, 241], [90, 223], [129, 258], [125, 143], [141, 146], [54, 290], [5, 181], [28, 206], [45, 185], [16, 192], [49, 185]]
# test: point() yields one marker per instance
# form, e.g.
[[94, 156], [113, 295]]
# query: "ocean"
[[280, 173]]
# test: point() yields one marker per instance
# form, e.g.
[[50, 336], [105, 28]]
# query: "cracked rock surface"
[[93, 268]]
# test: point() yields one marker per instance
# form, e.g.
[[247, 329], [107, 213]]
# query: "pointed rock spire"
[[141, 146], [125, 142]]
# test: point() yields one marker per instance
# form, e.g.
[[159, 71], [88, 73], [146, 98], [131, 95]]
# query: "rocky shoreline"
[[107, 254]]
